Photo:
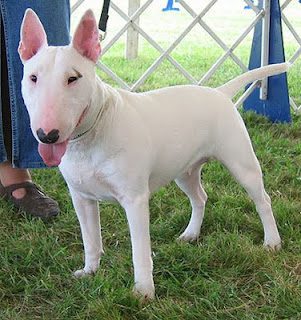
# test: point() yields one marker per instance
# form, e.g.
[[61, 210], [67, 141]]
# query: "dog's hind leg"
[[190, 184], [238, 156], [88, 216]]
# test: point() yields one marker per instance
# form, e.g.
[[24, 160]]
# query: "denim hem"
[[29, 165], [3, 158]]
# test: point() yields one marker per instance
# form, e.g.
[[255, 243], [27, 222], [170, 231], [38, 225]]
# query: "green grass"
[[225, 275]]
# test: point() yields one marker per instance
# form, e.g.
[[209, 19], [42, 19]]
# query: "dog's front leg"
[[88, 217], [137, 211]]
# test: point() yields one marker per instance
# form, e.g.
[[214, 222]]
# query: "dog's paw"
[[188, 236], [83, 273], [272, 246], [144, 292]]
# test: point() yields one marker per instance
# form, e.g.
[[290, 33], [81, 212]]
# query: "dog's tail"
[[232, 87]]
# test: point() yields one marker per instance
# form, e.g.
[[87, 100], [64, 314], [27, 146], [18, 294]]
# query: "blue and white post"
[[272, 98]]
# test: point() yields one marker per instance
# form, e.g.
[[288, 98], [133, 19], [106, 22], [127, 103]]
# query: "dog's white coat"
[[128, 144]]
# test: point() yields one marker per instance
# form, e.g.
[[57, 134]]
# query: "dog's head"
[[58, 82]]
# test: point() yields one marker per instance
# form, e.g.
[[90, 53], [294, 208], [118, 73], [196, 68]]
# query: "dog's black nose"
[[49, 138]]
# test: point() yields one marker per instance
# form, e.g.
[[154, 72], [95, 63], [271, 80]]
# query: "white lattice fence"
[[197, 18]]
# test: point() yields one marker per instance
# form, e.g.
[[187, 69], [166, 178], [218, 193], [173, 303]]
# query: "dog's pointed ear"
[[32, 36], [86, 37]]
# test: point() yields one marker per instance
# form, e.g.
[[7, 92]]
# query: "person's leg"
[[15, 183], [18, 141], [55, 16], [8, 174]]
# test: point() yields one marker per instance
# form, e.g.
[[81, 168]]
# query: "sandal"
[[35, 202]]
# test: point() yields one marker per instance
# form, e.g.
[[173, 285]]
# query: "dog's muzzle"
[[49, 138]]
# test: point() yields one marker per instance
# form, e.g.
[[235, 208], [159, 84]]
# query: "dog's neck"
[[95, 110]]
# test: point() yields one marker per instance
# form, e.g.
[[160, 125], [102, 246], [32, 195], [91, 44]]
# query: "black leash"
[[103, 20]]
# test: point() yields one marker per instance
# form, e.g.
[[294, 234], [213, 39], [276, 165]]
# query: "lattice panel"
[[197, 18]]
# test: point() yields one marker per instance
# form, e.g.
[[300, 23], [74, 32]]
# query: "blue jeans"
[[55, 16]]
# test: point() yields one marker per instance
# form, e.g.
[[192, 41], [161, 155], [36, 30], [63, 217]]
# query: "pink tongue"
[[52, 153]]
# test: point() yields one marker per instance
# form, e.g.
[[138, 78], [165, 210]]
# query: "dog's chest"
[[91, 180]]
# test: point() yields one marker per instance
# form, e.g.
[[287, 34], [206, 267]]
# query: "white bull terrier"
[[116, 145]]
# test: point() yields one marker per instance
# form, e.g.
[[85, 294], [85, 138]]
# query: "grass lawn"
[[225, 275]]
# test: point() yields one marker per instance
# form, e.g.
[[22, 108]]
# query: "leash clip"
[[102, 35], [103, 20]]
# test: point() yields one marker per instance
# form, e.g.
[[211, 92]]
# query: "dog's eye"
[[33, 78], [72, 79]]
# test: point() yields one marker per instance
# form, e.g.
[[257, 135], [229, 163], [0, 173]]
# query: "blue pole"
[[276, 107], [248, 7], [170, 7]]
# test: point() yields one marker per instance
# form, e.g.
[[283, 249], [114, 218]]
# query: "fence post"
[[273, 99], [131, 50]]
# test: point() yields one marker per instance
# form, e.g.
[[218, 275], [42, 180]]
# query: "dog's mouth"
[[52, 153]]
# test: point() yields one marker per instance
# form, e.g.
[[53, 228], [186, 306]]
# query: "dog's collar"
[[81, 134]]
